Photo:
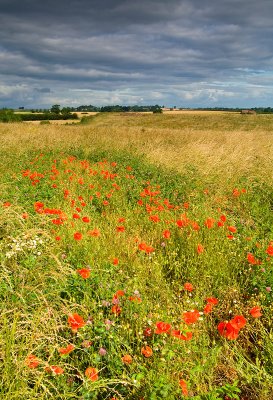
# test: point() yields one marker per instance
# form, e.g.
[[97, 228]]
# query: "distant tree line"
[[55, 113], [66, 113]]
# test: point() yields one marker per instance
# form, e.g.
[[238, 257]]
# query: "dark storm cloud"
[[187, 52]]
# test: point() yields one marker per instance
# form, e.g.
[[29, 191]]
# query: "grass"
[[126, 224]]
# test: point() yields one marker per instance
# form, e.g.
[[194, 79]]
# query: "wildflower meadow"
[[136, 258]]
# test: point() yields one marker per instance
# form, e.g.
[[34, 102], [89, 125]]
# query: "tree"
[[55, 109]]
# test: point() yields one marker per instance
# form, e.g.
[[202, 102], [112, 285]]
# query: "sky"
[[176, 53]]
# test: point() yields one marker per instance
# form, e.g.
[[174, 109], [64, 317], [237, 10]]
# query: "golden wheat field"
[[223, 144]]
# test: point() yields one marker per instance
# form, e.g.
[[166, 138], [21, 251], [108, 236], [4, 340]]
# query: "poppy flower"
[[238, 322], [92, 374], [120, 228], [67, 349], [190, 317], [84, 272], [75, 321], [188, 286], [232, 229], [78, 236], [32, 361], [154, 218], [116, 309], [228, 331], [147, 351], [162, 327], [166, 234], [209, 223], [55, 369], [212, 300], [149, 249], [115, 261], [119, 293], [127, 359], [86, 219], [255, 312], [183, 385], [208, 308], [251, 259], [94, 233], [200, 249], [269, 250]]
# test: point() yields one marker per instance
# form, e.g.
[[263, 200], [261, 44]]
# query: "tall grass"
[[130, 223]]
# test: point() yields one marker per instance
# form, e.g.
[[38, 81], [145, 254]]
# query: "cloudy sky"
[[184, 53]]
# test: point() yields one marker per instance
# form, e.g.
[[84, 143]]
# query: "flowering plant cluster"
[[136, 293]]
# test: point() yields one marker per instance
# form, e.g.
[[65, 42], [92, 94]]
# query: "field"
[[136, 258]]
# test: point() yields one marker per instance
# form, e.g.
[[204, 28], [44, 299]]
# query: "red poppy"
[[195, 226], [94, 233], [86, 219], [115, 261], [255, 312], [135, 299], [166, 234], [190, 317], [227, 330], [162, 327], [149, 249], [269, 250], [212, 300], [116, 309], [183, 385], [55, 369], [209, 223], [84, 272], [142, 246], [127, 359], [188, 286], [232, 229], [78, 236], [120, 228], [32, 361], [251, 259], [147, 351], [208, 308], [119, 293], [92, 374], [67, 349], [75, 322], [238, 322], [154, 218]]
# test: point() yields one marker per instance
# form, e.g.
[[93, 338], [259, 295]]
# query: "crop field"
[[137, 258]]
